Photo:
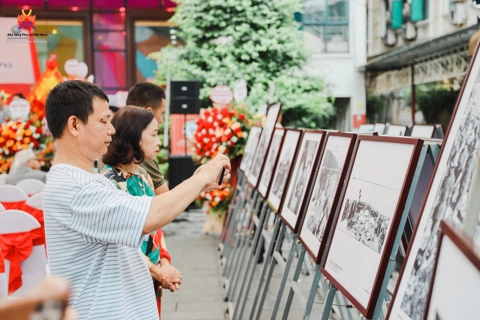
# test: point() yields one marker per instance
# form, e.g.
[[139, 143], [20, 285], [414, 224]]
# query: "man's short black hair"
[[70, 98], [146, 94], [129, 123]]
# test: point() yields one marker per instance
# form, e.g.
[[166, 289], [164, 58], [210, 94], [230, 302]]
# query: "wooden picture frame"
[[446, 198], [423, 131], [283, 168], [452, 297], [327, 187], [299, 185], [250, 147], [271, 162], [256, 168], [396, 130], [364, 232]]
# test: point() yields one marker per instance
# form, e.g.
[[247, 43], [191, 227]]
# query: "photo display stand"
[[262, 236], [452, 297], [446, 198], [423, 131], [372, 211]]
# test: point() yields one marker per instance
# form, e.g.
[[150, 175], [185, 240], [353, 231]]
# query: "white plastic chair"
[[31, 186], [2, 178], [35, 201], [2, 208], [3, 280], [9, 193], [34, 268]]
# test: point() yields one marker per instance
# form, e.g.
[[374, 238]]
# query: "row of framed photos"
[[416, 131], [344, 194]]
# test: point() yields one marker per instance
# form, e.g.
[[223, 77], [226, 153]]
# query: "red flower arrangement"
[[221, 130], [17, 135], [218, 200]]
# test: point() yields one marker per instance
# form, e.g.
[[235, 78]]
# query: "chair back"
[[3, 278], [2, 179], [35, 201], [2, 208], [34, 267], [9, 193], [31, 186]]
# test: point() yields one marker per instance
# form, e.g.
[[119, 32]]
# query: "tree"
[[254, 40]]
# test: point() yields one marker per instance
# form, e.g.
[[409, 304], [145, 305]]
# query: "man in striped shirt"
[[93, 229]]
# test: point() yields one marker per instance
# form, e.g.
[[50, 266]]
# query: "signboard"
[[182, 130], [71, 67], [19, 109], [221, 95], [359, 119], [240, 92]]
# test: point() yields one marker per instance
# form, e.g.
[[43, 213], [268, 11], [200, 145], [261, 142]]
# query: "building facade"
[[335, 36], [412, 44], [113, 37]]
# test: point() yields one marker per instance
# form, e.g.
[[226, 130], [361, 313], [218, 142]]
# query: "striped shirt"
[[94, 232]]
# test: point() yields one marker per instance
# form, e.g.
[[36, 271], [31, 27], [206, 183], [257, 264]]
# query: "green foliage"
[[255, 40], [436, 103], [375, 107]]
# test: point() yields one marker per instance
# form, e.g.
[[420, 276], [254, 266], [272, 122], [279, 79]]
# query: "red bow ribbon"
[[16, 248], [37, 234], [13, 205]]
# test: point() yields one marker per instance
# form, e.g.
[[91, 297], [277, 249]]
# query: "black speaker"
[[180, 168], [184, 97], [185, 105]]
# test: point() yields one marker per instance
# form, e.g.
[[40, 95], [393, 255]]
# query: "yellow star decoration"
[[4, 95]]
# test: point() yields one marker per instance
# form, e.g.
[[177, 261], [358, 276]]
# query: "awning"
[[418, 52]]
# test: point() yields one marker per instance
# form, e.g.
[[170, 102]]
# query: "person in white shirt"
[[94, 230]]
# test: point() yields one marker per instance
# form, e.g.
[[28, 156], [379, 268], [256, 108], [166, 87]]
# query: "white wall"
[[340, 70]]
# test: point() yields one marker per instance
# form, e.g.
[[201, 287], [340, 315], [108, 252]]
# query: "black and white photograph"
[[308, 154], [422, 131], [263, 144], [370, 211], [457, 270], [283, 168], [250, 146], [326, 191], [396, 130], [271, 161], [446, 199]]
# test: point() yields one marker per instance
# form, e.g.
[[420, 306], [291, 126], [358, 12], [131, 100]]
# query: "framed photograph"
[[422, 131], [452, 296], [250, 146], [380, 128], [298, 186], [366, 128], [446, 199], [374, 199], [270, 162], [283, 168], [328, 184], [396, 130], [263, 144]]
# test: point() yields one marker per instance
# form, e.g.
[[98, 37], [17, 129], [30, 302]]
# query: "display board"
[[422, 131], [370, 213], [446, 199], [380, 128], [396, 130], [303, 169], [250, 147], [282, 171], [271, 161], [455, 287], [324, 198], [366, 128], [264, 144]]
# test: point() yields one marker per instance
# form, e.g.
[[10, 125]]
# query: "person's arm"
[[162, 189], [167, 206]]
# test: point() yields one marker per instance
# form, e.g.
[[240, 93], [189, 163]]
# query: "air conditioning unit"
[[458, 13]]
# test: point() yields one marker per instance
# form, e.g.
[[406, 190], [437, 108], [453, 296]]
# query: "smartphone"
[[220, 179]]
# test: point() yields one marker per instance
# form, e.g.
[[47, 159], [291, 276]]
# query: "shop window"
[[151, 36], [65, 39], [325, 25]]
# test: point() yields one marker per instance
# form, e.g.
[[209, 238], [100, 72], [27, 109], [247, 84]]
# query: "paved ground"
[[201, 295]]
